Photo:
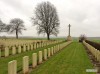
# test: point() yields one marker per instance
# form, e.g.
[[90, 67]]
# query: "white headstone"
[[51, 50], [48, 52], [25, 65], [13, 50], [0, 52], [6, 51], [34, 45], [40, 57], [31, 46], [45, 54], [34, 60], [24, 48], [28, 47], [12, 67], [19, 49]]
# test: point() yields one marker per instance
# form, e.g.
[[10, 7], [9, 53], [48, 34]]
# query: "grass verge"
[[71, 60]]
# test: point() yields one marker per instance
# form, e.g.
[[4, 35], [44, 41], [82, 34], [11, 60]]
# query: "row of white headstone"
[[17, 43], [93, 50], [37, 58], [24, 48], [13, 42]]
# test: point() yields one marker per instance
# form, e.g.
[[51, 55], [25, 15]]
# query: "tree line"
[[46, 19]]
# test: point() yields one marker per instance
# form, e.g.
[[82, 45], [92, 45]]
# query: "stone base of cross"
[[69, 38]]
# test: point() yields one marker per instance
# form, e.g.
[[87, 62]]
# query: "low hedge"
[[94, 44]]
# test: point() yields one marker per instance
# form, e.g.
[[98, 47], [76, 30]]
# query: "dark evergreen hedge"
[[94, 44]]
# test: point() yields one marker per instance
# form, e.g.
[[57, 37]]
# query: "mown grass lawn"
[[71, 60], [18, 57]]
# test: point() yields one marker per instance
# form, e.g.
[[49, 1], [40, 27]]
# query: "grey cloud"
[[83, 15]]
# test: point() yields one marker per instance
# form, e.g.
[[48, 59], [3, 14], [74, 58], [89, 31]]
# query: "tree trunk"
[[48, 36], [16, 34]]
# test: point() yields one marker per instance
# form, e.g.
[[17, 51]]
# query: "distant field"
[[96, 40]]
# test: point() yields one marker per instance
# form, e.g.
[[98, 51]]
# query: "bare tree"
[[46, 19], [4, 27], [82, 37], [17, 26], [1, 25]]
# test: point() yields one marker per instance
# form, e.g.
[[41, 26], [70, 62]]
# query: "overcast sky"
[[83, 15]]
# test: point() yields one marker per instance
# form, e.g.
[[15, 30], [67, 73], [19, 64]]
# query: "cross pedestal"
[[69, 38]]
